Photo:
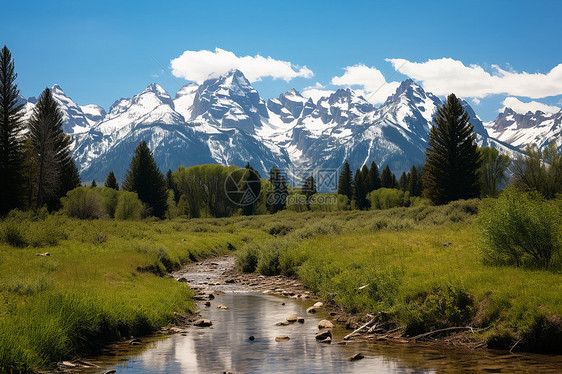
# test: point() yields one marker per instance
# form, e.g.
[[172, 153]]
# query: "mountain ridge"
[[224, 120]]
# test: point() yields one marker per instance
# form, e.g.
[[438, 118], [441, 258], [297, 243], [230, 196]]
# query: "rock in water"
[[357, 356], [325, 324], [292, 318], [328, 340], [220, 306], [203, 323], [251, 337], [300, 320], [312, 309], [326, 333], [282, 338], [318, 305]]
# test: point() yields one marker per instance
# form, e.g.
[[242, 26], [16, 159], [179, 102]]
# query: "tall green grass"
[[104, 280]]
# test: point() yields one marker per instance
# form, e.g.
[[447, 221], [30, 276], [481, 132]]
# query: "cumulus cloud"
[[532, 106], [372, 84], [446, 75], [316, 92], [199, 65]]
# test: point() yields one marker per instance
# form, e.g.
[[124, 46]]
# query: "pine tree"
[[309, 189], [51, 150], [374, 178], [253, 183], [345, 182], [111, 181], [414, 183], [403, 181], [70, 177], [277, 196], [365, 176], [144, 178], [11, 144], [359, 191], [452, 160], [94, 184], [388, 178]]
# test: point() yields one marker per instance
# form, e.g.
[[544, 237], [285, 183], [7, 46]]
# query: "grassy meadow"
[[107, 280]]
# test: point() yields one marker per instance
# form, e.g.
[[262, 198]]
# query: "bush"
[[247, 258], [83, 203], [521, 229], [129, 207], [110, 197], [386, 198], [11, 232]]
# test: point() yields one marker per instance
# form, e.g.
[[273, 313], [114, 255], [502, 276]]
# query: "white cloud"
[[522, 108], [446, 75], [199, 65], [374, 86], [316, 92]]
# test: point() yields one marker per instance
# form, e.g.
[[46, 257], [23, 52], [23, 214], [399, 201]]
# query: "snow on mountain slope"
[[93, 113], [76, 119], [183, 101], [521, 129], [228, 101], [225, 121]]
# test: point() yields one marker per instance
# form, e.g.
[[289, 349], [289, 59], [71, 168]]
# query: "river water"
[[226, 347]]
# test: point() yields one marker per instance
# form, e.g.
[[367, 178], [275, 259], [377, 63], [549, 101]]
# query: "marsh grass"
[[104, 280]]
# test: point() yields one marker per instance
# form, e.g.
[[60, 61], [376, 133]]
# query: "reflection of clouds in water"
[[225, 346]]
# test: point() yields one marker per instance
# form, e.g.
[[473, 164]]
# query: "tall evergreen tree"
[[51, 150], [144, 178], [111, 181], [414, 183], [452, 159], [11, 144], [365, 176], [70, 177], [403, 181], [388, 178], [374, 178], [345, 182], [94, 184], [359, 191], [277, 196], [253, 183]]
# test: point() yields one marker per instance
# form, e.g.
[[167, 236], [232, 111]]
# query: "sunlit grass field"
[[107, 280]]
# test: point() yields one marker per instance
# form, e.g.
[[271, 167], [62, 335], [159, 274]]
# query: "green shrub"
[[386, 198], [247, 258], [110, 198], [268, 261], [521, 229], [129, 207], [83, 203], [11, 232]]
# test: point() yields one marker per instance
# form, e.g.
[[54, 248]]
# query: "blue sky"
[[106, 50]]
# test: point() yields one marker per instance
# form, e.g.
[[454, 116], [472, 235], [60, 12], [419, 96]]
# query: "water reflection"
[[226, 347]]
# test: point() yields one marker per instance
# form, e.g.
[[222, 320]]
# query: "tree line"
[[37, 169]]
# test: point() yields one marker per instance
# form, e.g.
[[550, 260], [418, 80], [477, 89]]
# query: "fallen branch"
[[443, 330], [348, 336], [515, 345]]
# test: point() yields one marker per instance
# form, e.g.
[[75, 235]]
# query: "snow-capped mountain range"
[[224, 120]]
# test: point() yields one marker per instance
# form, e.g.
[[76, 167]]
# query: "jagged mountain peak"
[[157, 89], [229, 101]]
